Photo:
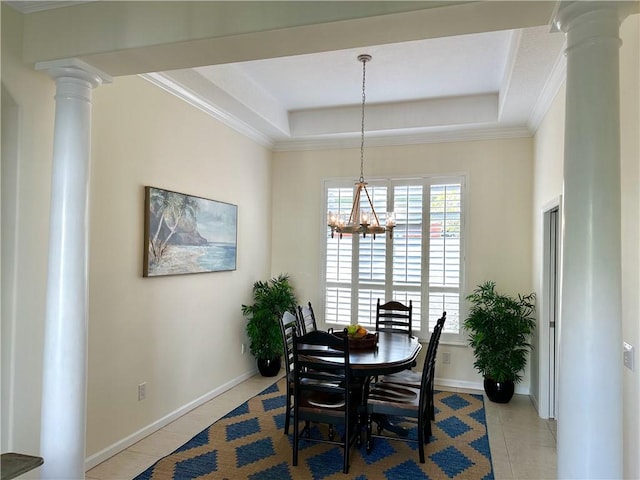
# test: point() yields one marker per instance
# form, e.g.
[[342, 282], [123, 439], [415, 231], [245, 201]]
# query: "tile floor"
[[523, 446]]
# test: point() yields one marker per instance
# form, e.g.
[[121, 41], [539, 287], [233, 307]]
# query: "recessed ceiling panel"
[[424, 69]]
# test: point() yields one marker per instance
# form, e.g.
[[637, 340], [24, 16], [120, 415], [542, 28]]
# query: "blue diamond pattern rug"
[[249, 443]]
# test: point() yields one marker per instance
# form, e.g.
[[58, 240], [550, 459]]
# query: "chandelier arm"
[[372, 209], [355, 207]]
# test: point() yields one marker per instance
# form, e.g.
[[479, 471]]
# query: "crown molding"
[[37, 6], [386, 138], [163, 81], [548, 93]]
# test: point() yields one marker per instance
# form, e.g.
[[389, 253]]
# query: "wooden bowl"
[[368, 342]]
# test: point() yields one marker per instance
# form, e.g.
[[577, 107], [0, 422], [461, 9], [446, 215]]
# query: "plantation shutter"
[[445, 210], [422, 263], [339, 262], [407, 249], [372, 261]]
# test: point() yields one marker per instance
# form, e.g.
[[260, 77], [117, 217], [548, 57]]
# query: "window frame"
[[427, 181]]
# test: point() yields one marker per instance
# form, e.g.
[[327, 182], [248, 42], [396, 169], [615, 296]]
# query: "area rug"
[[249, 443]]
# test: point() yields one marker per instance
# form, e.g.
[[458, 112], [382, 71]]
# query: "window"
[[422, 262]]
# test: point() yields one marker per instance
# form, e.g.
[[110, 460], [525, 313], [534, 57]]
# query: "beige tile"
[[501, 468], [521, 417], [533, 462], [124, 466], [216, 408], [492, 417], [497, 442], [472, 391], [160, 443], [528, 435], [189, 424]]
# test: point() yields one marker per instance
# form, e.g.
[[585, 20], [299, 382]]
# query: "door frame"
[[549, 309]]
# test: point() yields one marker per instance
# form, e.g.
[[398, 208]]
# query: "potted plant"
[[271, 299], [500, 328]]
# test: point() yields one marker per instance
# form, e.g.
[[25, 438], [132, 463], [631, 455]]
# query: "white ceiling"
[[398, 72], [494, 84]]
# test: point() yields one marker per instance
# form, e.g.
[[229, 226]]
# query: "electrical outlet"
[[446, 358], [628, 355], [142, 391]]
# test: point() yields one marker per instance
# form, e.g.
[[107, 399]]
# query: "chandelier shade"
[[361, 220]]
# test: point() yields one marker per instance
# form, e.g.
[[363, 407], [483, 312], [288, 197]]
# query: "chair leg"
[[296, 437], [347, 435], [431, 407], [429, 417], [420, 437], [287, 415], [369, 433]]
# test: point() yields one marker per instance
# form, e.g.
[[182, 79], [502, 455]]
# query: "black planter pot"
[[499, 392], [269, 368]]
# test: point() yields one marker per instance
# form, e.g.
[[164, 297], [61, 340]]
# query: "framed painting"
[[187, 234]]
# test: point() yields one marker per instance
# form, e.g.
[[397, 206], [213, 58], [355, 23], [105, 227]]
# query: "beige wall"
[[180, 334], [26, 179], [549, 155], [547, 189], [499, 200]]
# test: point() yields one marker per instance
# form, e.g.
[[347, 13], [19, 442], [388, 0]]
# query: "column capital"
[[567, 11], [75, 68]]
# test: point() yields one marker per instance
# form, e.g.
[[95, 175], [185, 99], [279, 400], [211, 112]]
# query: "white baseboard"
[[126, 442], [448, 382]]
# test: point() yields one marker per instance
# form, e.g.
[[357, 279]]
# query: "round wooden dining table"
[[392, 353]]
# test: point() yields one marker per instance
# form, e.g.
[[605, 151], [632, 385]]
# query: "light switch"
[[628, 355]]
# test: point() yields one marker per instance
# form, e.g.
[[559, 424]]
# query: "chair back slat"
[[321, 363], [394, 317], [288, 325], [306, 319]]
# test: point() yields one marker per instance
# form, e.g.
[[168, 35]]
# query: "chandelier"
[[361, 220]]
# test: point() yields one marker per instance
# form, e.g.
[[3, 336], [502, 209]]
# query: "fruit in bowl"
[[356, 331]]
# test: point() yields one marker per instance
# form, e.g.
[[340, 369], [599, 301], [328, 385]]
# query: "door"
[[550, 305]]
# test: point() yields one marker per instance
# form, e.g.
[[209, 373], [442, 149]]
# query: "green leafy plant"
[[271, 299], [500, 328]]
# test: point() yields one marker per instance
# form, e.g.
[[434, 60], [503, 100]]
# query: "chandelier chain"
[[364, 97]]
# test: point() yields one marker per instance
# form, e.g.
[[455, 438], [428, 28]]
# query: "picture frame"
[[187, 234]]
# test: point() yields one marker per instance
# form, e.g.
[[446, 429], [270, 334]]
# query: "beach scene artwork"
[[188, 234]]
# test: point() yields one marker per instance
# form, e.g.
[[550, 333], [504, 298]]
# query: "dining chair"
[[306, 319], [394, 317], [409, 378], [288, 325], [322, 390], [384, 399]]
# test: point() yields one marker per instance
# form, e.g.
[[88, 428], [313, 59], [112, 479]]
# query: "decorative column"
[[590, 374], [62, 432]]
